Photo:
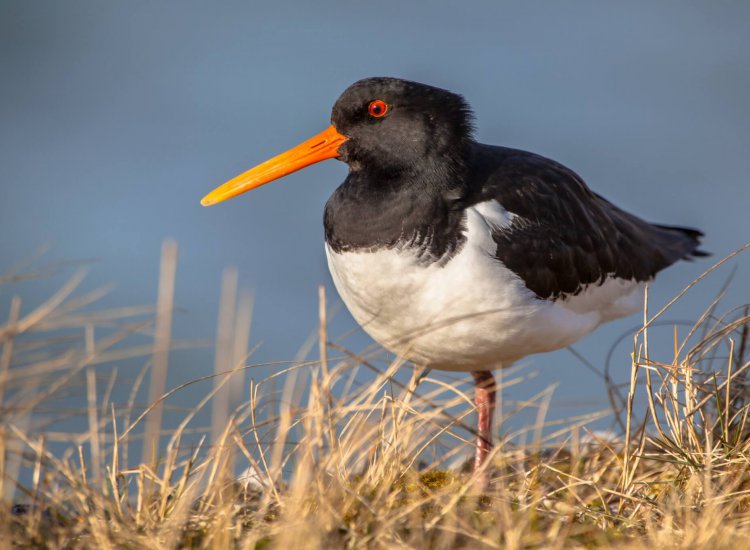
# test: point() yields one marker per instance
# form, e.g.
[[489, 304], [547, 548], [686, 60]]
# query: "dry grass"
[[352, 465]]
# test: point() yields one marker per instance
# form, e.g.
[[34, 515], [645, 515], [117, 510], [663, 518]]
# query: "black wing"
[[564, 235]]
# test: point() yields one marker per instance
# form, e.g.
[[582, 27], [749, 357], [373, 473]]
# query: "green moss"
[[437, 479]]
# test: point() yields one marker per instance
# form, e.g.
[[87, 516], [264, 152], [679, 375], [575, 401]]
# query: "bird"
[[462, 256]]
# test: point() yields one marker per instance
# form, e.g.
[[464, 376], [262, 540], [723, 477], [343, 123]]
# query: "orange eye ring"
[[377, 108]]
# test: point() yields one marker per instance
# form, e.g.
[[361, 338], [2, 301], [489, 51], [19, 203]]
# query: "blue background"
[[117, 117]]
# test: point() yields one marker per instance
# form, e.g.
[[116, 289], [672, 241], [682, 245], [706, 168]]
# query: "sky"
[[117, 117]]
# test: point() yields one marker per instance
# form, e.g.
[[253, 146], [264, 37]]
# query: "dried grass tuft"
[[353, 465]]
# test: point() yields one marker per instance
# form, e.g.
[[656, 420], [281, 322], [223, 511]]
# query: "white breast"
[[471, 311]]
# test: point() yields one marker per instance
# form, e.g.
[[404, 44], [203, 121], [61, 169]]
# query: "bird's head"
[[381, 125], [394, 125]]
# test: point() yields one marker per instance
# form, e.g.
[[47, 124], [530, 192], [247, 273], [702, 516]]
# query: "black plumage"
[[413, 174]]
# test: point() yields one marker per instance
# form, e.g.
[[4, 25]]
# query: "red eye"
[[377, 108]]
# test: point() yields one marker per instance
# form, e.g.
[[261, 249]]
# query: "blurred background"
[[117, 117]]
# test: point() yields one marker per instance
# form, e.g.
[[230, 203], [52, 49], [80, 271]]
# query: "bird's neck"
[[420, 208]]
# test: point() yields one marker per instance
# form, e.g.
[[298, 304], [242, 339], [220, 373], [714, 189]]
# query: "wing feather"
[[564, 236]]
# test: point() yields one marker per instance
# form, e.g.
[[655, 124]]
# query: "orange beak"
[[321, 147]]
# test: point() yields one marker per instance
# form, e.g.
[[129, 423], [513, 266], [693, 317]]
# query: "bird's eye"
[[377, 108]]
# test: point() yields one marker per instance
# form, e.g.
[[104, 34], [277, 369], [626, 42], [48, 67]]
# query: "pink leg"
[[484, 398]]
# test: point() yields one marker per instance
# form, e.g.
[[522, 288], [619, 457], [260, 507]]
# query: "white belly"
[[471, 312]]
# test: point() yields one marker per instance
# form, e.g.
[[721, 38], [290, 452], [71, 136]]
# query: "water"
[[118, 118]]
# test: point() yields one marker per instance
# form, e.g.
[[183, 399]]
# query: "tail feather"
[[690, 240]]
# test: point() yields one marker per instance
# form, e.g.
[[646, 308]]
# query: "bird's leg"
[[484, 399]]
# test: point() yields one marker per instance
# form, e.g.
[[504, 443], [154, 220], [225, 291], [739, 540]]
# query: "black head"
[[397, 130], [395, 125]]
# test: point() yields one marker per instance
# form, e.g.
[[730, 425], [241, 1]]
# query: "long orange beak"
[[321, 147]]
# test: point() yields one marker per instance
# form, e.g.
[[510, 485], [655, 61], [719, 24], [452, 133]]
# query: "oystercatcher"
[[463, 256]]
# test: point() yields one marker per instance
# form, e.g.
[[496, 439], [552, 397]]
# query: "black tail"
[[686, 240]]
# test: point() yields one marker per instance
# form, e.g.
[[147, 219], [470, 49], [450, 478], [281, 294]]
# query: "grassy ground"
[[357, 466]]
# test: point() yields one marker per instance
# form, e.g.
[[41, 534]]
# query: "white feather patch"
[[469, 312]]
